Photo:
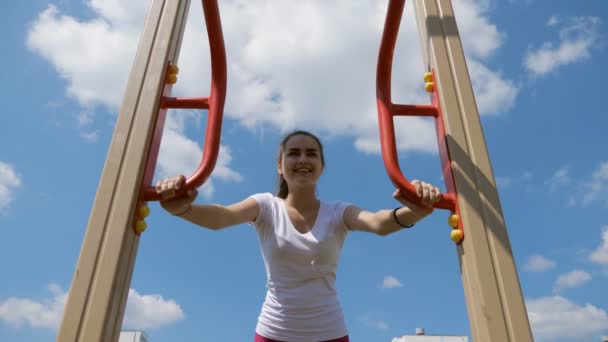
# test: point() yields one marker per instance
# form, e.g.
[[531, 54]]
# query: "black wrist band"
[[396, 220]]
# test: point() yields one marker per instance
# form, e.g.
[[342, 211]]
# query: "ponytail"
[[283, 188]]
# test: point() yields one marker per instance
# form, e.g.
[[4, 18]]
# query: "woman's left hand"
[[428, 193]]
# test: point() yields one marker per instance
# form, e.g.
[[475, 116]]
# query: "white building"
[[132, 336], [421, 337]]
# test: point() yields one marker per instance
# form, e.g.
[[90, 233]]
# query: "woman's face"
[[301, 163]]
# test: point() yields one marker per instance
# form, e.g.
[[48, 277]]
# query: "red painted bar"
[[386, 109], [414, 110], [215, 104], [185, 102]]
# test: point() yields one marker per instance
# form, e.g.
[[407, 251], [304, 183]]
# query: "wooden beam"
[[493, 294], [96, 302]]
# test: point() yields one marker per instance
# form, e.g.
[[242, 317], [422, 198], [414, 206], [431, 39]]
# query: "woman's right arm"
[[213, 216]]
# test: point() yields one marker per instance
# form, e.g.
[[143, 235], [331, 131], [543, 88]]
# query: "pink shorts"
[[259, 338]]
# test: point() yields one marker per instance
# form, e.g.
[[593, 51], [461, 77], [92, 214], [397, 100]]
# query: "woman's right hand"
[[175, 205]]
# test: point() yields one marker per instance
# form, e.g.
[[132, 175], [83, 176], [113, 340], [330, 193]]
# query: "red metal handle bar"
[[215, 104], [185, 102], [414, 110], [386, 109]]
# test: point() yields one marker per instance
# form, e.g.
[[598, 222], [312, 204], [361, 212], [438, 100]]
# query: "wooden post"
[[494, 299], [100, 286]]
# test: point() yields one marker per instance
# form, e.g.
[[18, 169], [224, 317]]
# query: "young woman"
[[301, 238]]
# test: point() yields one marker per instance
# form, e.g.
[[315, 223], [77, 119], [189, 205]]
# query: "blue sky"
[[538, 72]]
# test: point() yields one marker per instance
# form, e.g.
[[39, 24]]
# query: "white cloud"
[[9, 181], [142, 311], [85, 120], [180, 155], [480, 37], [594, 190], [600, 255], [390, 282], [94, 56], [559, 179], [555, 317], [572, 202], [121, 13], [520, 181], [150, 311], [503, 182], [577, 37], [319, 75], [369, 142], [538, 263], [375, 323], [37, 314], [92, 136], [494, 94], [553, 21], [571, 279]]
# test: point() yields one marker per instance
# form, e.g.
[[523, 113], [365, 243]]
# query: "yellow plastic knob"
[[456, 235], [453, 220], [140, 226], [144, 211], [429, 86], [173, 69], [428, 77], [171, 78]]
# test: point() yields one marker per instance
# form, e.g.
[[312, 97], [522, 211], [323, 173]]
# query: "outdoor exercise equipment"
[[98, 294]]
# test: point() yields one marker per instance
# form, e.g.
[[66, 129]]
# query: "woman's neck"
[[302, 198]]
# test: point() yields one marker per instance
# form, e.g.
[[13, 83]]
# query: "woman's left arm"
[[384, 222]]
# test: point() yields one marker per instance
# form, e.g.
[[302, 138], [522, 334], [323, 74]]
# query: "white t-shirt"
[[301, 303]]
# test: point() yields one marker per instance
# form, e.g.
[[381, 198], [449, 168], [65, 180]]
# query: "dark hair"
[[283, 188]]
